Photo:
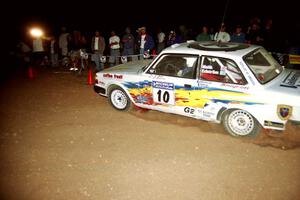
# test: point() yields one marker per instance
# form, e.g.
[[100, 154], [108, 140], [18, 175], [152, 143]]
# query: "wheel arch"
[[220, 113], [114, 85]]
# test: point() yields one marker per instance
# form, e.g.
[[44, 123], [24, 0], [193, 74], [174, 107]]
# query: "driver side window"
[[182, 66]]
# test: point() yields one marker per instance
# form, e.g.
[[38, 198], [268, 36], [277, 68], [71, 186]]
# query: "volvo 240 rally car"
[[240, 85]]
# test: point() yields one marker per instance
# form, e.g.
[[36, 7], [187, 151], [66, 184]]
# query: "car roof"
[[211, 48]]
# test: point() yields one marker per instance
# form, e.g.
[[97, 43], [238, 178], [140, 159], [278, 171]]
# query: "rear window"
[[263, 65]]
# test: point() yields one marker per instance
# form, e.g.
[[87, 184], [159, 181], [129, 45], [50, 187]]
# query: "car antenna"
[[224, 14], [223, 18]]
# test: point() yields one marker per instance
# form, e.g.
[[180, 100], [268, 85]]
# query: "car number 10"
[[163, 96]]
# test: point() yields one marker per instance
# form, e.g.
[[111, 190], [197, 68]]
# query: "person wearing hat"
[[145, 42]]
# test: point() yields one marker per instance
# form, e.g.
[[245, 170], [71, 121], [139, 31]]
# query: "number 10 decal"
[[163, 92], [163, 96]]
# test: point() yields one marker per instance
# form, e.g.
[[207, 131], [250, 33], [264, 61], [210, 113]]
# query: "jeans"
[[99, 65], [114, 57], [142, 54], [128, 52]]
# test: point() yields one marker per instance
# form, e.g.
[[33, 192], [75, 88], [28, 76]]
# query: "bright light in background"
[[36, 32]]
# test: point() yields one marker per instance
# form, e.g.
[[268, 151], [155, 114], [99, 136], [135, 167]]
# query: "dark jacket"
[[101, 45], [149, 44]]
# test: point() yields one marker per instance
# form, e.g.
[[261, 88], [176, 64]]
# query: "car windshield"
[[263, 65]]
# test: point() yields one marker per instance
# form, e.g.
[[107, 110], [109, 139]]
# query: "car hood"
[[128, 68], [286, 87]]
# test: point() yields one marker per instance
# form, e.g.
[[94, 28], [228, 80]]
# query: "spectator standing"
[[203, 36], [128, 43], [145, 42], [160, 40], [38, 51], [222, 35], [173, 39], [114, 44], [63, 42], [98, 46], [238, 36], [212, 33], [184, 33], [53, 52], [254, 35]]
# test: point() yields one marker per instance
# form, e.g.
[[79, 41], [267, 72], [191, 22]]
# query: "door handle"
[[187, 86]]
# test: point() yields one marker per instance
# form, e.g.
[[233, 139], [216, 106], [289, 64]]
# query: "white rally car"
[[240, 85]]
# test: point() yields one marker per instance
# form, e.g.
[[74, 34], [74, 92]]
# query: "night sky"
[[116, 15]]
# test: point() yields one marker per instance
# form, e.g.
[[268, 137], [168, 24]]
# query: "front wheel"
[[119, 99], [240, 123]]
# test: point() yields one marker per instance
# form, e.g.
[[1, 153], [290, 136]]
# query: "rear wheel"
[[119, 99], [240, 123]]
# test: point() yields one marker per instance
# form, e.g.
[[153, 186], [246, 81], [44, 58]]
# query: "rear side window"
[[221, 70]]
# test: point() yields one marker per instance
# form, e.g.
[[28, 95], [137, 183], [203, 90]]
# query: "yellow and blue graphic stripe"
[[198, 97]]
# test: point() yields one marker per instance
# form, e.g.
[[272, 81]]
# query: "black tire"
[[240, 123], [119, 99]]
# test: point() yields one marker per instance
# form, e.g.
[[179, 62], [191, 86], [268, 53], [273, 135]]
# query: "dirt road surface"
[[60, 140]]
